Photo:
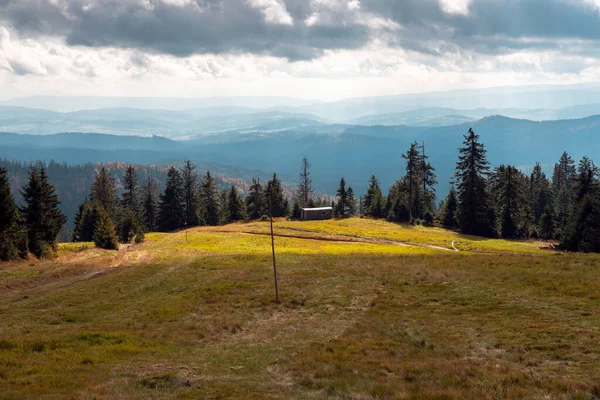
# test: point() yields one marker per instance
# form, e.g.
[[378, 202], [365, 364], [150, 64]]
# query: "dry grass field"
[[368, 310]]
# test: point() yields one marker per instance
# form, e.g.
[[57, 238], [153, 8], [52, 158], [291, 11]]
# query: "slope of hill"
[[374, 315]]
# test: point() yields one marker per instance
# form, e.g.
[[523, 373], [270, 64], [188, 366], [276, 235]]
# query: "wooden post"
[[273, 250], [185, 227]]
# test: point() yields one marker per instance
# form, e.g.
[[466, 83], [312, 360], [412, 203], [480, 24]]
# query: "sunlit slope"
[[367, 311], [383, 232]]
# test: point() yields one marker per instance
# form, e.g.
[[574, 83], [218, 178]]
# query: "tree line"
[[503, 202]]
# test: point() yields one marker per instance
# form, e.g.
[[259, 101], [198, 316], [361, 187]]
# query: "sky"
[[313, 49]]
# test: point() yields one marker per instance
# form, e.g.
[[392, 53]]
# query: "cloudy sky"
[[323, 49]]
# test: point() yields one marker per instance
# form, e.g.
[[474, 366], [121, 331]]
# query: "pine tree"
[[208, 198], [256, 203], [189, 176], [412, 157], [274, 193], [171, 212], [131, 195], [105, 195], [540, 195], [582, 231], [351, 202], [471, 173], [131, 218], [150, 204], [450, 209], [547, 224], [13, 243], [296, 212], [510, 198], [85, 223], [104, 234], [562, 188], [341, 207], [428, 182], [41, 215], [373, 201], [235, 206], [305, 187]]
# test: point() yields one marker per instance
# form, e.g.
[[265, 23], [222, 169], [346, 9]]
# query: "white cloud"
[[274, 11], [455, 6]]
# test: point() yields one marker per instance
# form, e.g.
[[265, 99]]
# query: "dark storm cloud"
[[231, 26], [491, 26]]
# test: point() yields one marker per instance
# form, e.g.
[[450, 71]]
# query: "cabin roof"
[[317, 209]]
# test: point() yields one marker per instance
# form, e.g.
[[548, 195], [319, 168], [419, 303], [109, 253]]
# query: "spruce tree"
[[305, 191], [235, 206], [85, 223], [296, 212], [449, 211], [104, 194], [582, 231], [171, 212], [341, 207], [131, 219], [351, 202], [274, 192], [104, 234], [189, 176], [41, 215], [539, 194], [562, 188], [13, 235], [471, 173], [510, 200], [413, 165], [150, 204], [428, 182], [373, 202], [256, 202], [209, 201]]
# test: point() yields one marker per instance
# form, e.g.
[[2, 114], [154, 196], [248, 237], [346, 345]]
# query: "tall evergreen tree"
[[540, 195], [471, 173], [189, 176], [373, 201], [171, 212], [413, 165], [235, 206], [275, 198], [105, 195], [510, 198], [208, 196], [42, 217], [351, 202], [256, 203], [13, 236], [150, 204], [131, 196], [305, 191], [104, 233], [131, 218], [85, 222], [562, 188], [428, 182], [582, 231], [341, 207], [450, 210]]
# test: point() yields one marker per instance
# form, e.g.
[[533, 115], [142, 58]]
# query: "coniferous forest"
[[492, 202]]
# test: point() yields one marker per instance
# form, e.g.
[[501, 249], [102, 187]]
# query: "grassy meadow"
[[369, 310]]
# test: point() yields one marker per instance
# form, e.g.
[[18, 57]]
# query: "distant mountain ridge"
[[352, 151]]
